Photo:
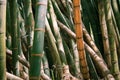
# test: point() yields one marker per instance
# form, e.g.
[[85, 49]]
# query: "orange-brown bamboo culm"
[[79, 39]]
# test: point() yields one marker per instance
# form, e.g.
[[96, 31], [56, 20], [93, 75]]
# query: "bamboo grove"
[[59, 39]]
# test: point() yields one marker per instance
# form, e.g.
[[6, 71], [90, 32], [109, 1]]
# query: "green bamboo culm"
[[2, 39], [14, 34], [38, 42]]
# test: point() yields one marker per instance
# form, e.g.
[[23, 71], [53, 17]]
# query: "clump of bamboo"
[[114, 59]]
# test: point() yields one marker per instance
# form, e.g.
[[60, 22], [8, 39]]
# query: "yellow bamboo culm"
[[79, 39]]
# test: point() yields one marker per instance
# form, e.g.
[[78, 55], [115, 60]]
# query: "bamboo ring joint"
[[39, 29], [40, 3], [76, 6], [37, 55], [81, 49], [79, 37]]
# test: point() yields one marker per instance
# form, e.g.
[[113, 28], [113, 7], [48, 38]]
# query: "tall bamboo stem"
[[38, 42], [104, 33], [79, 39], [2, 39], [13, 13]]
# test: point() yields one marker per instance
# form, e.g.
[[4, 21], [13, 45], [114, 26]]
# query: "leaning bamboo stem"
[[12, 77], [90, 41], [79, 39], [54, 50], [22, 60], [102, 67], [57, 34]]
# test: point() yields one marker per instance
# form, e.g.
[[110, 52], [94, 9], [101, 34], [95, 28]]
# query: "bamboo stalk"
[[38, 42], [54, 51], [107, 55], [93, 72], [116, 13], [76, 58], [79, 39], [58, 13], [56, 32], [29, 23], [13, 13], [103, 68], [2, 39], [90, 41], [70, 61], [46, 65], [108, 17]]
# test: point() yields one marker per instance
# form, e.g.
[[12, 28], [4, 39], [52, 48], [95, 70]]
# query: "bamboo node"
[[39, 29], [79, 37], [85, 66], [81, 49], [41, 3], [37, 55], [105, 38], [78, 23], [76, 6]]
